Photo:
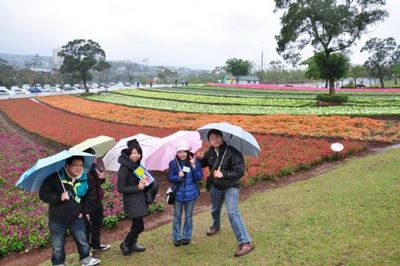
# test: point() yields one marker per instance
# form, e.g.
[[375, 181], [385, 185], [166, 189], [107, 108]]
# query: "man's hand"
[[218, 174], [200, 154], [64, 196]]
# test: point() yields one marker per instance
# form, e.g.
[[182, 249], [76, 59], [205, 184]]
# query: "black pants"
[[136, 228], [94, 226]]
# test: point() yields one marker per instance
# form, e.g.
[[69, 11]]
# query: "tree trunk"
[[381, 81], [85, 85], [331, 87], [355, 82]]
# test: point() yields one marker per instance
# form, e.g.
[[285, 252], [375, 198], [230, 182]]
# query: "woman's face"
[[182, 155], [135, 155]]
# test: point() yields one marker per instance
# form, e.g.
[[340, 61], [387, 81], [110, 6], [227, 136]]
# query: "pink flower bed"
[[296, 88]]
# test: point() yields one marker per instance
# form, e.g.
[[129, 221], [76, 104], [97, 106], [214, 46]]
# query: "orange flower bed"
[[302, 125]]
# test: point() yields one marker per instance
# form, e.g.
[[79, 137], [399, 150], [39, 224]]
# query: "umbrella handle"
[[62, 184]]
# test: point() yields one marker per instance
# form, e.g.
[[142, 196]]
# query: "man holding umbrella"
[[226, 165], [63, 191]]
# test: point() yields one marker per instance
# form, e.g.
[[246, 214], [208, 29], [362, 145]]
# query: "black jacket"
[[134, 199], [93, 198], [59, 211], [232, 166]]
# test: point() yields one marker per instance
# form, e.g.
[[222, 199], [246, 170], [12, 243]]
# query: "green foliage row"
[[337, 98]]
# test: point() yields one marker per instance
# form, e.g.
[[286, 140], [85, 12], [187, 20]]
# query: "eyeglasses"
[[77, 165]]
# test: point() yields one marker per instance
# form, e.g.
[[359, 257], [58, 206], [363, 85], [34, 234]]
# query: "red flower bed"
[[66, 128]]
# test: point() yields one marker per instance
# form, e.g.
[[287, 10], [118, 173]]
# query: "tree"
[[237, 67], [357, 71], [328, 25], [395, 64], [7, 74], [381, 51], [328, 68], [81, 57]]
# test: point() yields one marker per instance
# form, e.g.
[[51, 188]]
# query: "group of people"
[[75, 202]]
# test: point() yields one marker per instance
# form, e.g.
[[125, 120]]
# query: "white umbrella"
[[235, 136], [147, 143]]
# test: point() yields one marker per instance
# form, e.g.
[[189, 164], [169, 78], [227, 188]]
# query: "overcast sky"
[[198, 34]]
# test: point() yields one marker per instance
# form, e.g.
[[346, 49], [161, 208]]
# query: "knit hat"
[[183, 146]]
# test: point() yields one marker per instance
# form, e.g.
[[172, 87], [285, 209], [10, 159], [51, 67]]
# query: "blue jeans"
[[58, 232], [231, 197], [177, 223]]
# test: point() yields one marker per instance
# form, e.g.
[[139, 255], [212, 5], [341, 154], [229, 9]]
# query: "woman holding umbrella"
[[134, 196], [184, 172]]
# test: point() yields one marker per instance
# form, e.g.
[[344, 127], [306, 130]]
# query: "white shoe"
[[90, 261], [102, 247]]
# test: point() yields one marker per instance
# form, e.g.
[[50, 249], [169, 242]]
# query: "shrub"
[[332, 98], [156, 207], [110, 221]]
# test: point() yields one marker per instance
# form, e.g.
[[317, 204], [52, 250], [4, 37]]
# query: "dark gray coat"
[[134, 199]]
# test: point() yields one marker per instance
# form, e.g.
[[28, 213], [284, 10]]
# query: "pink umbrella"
[[161, 155]]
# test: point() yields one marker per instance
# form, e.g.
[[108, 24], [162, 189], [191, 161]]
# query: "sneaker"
[[212, 231], [244, 249], [102, 247], [137, 248], [90, 261], [177, 243], [125, 249], [185, 241]]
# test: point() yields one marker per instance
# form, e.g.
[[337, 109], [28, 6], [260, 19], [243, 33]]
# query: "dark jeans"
[[94, 226], [136, 228], [58, 232]]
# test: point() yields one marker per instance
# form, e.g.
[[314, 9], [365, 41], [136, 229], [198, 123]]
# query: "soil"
[[37, 256]]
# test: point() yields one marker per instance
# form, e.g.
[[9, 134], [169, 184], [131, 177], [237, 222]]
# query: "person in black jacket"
[[94, 206], [63, 191], [226, 165], [134, 196]]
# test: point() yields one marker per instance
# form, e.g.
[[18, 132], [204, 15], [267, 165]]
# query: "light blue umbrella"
[[32, 179], [235, 136]]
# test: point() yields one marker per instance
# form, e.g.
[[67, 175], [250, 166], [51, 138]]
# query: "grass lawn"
[[350, 216]]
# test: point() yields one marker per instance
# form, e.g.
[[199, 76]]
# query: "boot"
[[125, 249], [137, 248]]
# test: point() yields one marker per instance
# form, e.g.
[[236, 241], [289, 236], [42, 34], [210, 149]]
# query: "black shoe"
[[137, 248], [185, 241], [125, 249], [177, 243]]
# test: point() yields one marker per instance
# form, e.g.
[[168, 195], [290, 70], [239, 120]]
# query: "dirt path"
[[35, 257]]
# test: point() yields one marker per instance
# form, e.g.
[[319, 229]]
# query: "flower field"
[[270, 106], [304, 125], [293, 146], [297, 88]]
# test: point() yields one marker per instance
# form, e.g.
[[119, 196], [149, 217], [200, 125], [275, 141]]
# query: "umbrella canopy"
[[33, 178], [147, 143], [235, 136], [100, 145], [160, 156]]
